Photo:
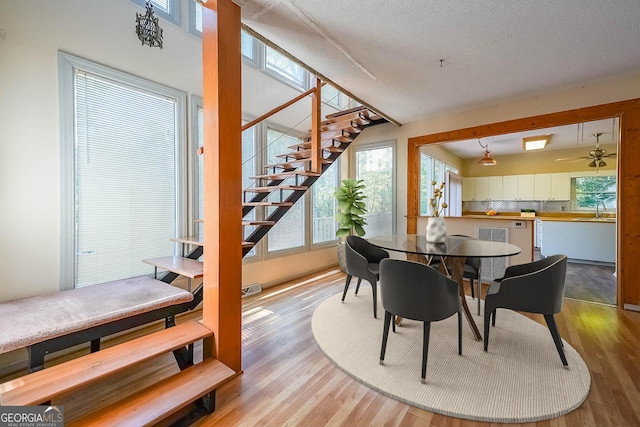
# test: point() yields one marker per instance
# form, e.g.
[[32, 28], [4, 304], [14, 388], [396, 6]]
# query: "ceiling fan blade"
[[572, 159], [610, 155]]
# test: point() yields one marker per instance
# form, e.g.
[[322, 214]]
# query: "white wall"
[[101, 31], [595, 93]]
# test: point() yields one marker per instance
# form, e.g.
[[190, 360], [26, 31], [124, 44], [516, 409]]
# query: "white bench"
[[49, 323]]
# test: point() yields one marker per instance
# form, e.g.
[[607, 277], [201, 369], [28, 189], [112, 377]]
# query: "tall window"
[[324, 206], [289, 232], [595, 190], [375, 165], [127, 175], [431, 170]]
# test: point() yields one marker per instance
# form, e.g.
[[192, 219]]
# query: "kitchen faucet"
[[604, 208]]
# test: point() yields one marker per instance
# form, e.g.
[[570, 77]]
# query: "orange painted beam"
[[316, 103], [222, 110], [628, 251]]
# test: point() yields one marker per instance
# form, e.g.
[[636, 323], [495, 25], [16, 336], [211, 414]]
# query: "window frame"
[[445, 169], [67, 63], [172, 16]]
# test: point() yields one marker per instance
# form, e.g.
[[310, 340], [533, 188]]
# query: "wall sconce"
[[148, 29], [535, 142], [486, 159]]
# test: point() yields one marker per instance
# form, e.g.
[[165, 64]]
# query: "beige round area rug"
[[521, 378]]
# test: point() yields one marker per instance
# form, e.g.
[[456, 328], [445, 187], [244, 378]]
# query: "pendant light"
[[486, 159]]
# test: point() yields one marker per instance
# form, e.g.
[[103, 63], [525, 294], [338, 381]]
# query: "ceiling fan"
[[596, 155]]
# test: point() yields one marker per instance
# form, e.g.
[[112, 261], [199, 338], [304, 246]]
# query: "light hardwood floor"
[[288, 381]]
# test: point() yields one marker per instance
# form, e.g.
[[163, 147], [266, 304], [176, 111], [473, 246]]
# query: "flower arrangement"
[[434, 203]]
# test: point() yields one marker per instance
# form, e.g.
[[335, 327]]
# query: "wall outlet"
[[518, 224]]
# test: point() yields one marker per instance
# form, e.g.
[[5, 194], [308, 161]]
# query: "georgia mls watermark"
[[31, 416]]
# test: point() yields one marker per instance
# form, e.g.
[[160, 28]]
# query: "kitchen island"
[[589, 239]]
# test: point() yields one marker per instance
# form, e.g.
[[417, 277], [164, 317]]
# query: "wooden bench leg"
[[36, 357]]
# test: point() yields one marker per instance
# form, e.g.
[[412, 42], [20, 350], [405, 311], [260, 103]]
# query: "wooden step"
[[291, 165], [249, 223], [161, 400], [191, 268], [199, 241], [42, 386], [272, 188], [265, 203], [359, 120], [351, 128], [190, 240], [326, 145], [302, 154], [285, 175], [352, 112]]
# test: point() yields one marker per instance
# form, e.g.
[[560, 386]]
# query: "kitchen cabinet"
[[495, 188], [468, 189], [552, 186], [518, 187], [482, 188]]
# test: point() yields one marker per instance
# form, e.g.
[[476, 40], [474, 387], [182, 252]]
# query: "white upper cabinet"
[[542, 186], [553, 186], [468, 189], [482, 188], [518, 187], [561, 186], [495, 188]]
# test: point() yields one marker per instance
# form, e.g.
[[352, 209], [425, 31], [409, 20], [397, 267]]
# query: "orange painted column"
[[222, 95]]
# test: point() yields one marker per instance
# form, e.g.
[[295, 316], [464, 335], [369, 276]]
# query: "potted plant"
[[351, 212]]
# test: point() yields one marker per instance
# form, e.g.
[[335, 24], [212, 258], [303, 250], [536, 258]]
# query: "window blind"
[[125, 178]]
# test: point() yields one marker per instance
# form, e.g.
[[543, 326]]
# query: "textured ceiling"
[[413, 59]]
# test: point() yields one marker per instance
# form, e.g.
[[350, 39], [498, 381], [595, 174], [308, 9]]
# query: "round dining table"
[[452, 253]]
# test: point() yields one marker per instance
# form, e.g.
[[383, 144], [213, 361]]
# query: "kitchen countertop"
[[544, 218]]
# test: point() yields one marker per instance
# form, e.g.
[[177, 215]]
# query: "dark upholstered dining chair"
[[472, 266], [536, 287], [362, 261], [416, 291]]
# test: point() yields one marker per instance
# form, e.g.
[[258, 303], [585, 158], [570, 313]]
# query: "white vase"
[[436, 229]]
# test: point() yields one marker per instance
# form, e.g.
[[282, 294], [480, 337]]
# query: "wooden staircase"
[[194, 383]]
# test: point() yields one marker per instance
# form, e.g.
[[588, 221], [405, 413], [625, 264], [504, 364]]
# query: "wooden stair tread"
[[42, 386], [293, 164], [352, 112], [285, 175], [246, 244], [248, 223], [272, 188], [157, 402], [360, 120], [326, 145], [187, 267], [265, 203], [191, 240]]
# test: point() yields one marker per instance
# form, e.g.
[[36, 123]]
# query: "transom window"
[[166, 9]]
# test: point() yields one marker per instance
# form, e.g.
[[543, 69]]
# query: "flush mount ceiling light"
[[148, 29], [535, 142], [486, 159]]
